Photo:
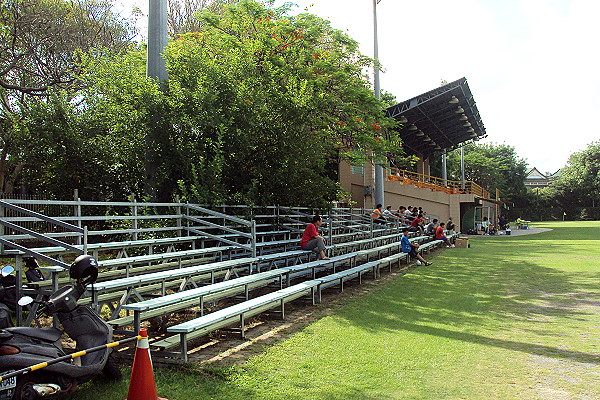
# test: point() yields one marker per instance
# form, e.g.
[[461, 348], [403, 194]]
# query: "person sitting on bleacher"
[[311, 240], [440, 235], [430, 228], [388, 212], [400, 214], [411, 248], [377, 215], [450, 225], [416, 225]]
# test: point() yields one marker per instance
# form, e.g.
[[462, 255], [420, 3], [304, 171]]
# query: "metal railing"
[[71, 230], [6, 224], [202, 224], [436, 184]]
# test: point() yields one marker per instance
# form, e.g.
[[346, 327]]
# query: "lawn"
[[509, 318]]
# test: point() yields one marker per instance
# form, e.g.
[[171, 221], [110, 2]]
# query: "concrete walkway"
[[517, 232]]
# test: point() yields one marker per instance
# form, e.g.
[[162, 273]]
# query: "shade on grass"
[[509, 318]]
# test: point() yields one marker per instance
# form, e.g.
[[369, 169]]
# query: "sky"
[[532, 65]]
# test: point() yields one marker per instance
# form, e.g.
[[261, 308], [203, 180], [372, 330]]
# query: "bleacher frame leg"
[[242, 326], [183, 345], [319, 289], [136, 320]]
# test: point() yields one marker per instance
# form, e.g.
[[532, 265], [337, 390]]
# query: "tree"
[[183, 14], [43, 45], [260, 108], [493, 166], [267, 100], [94, 144], [578, 187], [41, 42]]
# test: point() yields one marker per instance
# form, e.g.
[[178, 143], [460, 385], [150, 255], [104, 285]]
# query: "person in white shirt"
[[388, 212]]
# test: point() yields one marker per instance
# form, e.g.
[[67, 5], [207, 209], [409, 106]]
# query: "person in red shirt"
[[311, 240], [439, 235], [417, 225]]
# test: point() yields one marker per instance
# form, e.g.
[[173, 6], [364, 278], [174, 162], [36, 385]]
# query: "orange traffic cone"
[[141, 384]]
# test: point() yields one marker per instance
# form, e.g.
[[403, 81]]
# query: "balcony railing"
[[436, 184]]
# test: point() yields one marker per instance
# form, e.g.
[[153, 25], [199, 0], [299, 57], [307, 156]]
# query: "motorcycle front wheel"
[[111, 369]]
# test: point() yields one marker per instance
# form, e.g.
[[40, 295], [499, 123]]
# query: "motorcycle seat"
[[47, 334]]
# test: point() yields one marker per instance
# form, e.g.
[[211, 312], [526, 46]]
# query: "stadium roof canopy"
[[442, 118]]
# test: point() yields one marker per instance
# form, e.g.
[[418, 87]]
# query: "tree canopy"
[[44, 48], [577, 190], [291, 98], [260, 108], [493, 166], [41, 41]]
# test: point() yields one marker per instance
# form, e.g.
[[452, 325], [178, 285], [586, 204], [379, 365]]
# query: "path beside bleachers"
[[515, 232]]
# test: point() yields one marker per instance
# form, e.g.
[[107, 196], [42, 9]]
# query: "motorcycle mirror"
[[7, 270], [25, 300]]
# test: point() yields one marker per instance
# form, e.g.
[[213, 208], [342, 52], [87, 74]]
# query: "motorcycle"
[[8, 292], [21, 347], [7, 296]]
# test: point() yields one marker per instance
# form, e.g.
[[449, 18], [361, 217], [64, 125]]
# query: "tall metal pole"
[[157, 40], [157, 137], [462, 166], [444, 168], [379, 183]]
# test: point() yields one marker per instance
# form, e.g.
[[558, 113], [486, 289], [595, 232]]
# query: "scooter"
[[8, 292], [7, 287], [21, 347]]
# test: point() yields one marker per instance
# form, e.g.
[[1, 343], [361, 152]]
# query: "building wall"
[[438, 204]]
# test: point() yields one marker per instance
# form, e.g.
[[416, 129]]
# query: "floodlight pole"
[[156, 68], [157, 40], [444, 168], [462, 166], [379, 183]]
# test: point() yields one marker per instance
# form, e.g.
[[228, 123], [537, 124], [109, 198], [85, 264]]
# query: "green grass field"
[[509, 318]]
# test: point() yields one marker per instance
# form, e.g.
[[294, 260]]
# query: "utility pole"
[[156, 66], [444, 168], [462, 167], [379, 182], [157, 138]]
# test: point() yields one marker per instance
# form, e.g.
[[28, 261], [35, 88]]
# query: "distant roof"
[[557, 173], [442, 118], [534, 173]]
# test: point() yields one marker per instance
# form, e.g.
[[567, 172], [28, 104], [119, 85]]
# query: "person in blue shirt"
[[411, 248]]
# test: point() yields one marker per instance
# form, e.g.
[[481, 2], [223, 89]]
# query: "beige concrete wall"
[[438, 204], [355, 184]]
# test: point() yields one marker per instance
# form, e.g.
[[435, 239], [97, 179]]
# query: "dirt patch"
[[566, 378]]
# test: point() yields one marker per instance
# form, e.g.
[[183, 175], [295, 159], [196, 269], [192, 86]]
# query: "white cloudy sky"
[[532, 65]]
